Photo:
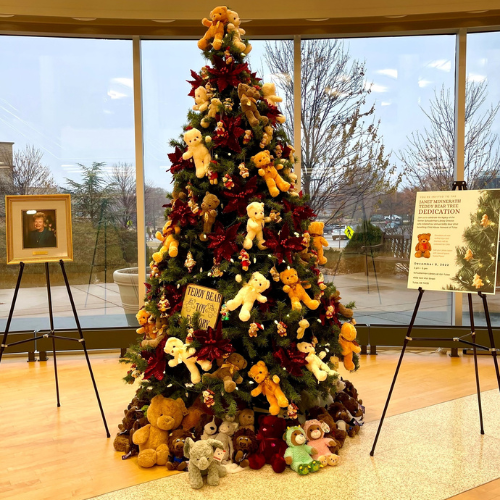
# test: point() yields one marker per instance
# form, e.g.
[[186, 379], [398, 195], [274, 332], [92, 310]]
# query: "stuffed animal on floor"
[[207, 427], [248, 294], [197, 151], [298, 455], [215, 32], [194, 413], [176, 459], [268, 386], [320, 413], [244, 445], [350, 403], [316, 438], [348, 344], [296, 290], [225, 436], [352, 391], [228, 367], [182, 353], [271, 448], [318, 241], [246, 419], [343, 419], [164, 414], [202, 462], [132, 421], [170, 244]]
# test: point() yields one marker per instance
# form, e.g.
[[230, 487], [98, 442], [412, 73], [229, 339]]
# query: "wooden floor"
[[62, 453]]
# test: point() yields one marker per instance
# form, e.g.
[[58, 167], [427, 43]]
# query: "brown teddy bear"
[[218, 18], [164, 415], [274, 181], [248, 97], [244, 444], [227, 368], [318, 241], [295, 290], [268, 387], [208, 214], [350, 403], [176, 440], [133, 420], [348, 344], [423, 247], [170, 243], [194, 413], [246, 418], [341, 417]]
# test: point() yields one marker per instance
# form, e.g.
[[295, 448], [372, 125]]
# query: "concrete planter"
[[128, 284]]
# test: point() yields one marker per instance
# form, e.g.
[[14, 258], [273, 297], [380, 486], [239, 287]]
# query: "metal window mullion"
[[297, 106]]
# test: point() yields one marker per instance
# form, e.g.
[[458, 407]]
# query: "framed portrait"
[[38, 228]]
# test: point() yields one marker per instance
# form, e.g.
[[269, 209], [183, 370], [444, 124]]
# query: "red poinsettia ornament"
[[157, 361], [299, 213], [213, 345], [290, 358], [178, 163], [195, 83], [223, 241], [328, 311], [174, 296], [282, 244], [240, 195], [182, 214], [232, 131], [224, 75]]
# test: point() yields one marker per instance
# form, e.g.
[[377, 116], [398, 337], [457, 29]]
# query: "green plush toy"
[[298, 454]]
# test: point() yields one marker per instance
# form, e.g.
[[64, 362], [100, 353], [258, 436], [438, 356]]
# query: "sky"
[[73, 98]]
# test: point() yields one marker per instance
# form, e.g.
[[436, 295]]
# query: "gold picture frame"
[[38, 228]]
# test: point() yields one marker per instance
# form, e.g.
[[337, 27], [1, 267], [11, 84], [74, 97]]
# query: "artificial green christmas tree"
[[237, 225]]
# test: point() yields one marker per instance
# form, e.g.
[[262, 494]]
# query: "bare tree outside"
[[429, 156], [123, 193], [154, 198], [343, 155]]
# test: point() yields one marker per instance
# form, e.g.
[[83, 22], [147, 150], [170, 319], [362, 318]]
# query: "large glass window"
[[66, 125]]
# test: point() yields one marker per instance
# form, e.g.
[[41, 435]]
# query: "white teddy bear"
[[201, 99], [233, 25], [269, 91], [314, 363], [248, 294], [182, 353], [197, 151], [255, 224]]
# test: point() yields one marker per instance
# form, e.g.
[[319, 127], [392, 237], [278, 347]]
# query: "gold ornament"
[[485, 221], [254, 328], [468, 255], [478, 282], [190, 262]]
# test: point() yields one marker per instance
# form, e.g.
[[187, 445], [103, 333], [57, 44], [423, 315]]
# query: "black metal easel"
[[52, 335], [460, 185]]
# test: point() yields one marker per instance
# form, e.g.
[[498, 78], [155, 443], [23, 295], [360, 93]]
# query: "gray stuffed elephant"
[[202, 462]]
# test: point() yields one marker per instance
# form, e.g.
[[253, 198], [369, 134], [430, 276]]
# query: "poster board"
[[206, 301], [454, 245]]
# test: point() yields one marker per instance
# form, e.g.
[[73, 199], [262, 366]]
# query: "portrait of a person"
[[41, 236]]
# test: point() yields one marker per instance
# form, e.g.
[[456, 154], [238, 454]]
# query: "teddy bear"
[[274, 181], [225, 436], [271, 448], [318, 241], [246, 419], [269, 91], [133, 420], [213, 109], [248, 294], [233, 26], [164, 415], [423, 247], [296, 290], [348, 344], [267, 136], [248, 97], [303, 325], [315, 435], [201, 99], [202, 462], [215, 31], [146, 327], [197, 151], [298, 455], [170, 244], [255, 224], [329, 426], [268, 387], [176, 440], [194, 413], [353, 392], [182, 353], [208, 214], [351, 404], [343, 419], [244, 445], [314, 363], [227, 368]]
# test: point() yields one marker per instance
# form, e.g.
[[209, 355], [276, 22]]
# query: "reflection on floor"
[[430, 453]]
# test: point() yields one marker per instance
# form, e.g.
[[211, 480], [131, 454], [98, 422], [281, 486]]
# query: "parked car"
[[338, 232]]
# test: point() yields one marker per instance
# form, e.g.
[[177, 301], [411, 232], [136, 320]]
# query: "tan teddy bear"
[[215, 25], [274, 181], [213, 109], [170, 243], [227, 368], [318, 241], [295, 290], [348, 344], [268, 387], [248, 294], [201, 99], [255, 224], [197, 151], [208, 214], [246, 419], [233, 26], [269, 91], [182, 353], [267, 136], [248, 97], [164, 415], [423, 247], [146, 328], [314, 363]]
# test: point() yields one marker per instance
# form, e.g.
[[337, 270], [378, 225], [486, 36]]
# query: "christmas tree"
[[237, 226], [478, 257]]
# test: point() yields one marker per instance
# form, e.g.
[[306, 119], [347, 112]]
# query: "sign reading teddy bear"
[[454, 245], [203, 300]]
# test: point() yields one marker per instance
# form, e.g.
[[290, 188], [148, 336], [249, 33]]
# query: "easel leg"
[[407, 339], [11, 312], [490, 333], [51, 318], [82, 341], [473, 331]]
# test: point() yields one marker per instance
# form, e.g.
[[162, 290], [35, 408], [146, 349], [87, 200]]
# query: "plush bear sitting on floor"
[[298, 455], [227, 368], [320, 413], [271, 445], [343, 419], [164, 415], [133, 420], [350, 403], [316, 438], [176, 440], [244, 445], [202, 462], [246, 419]]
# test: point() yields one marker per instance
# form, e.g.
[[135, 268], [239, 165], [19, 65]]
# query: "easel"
[[460, 185], [52, 335]]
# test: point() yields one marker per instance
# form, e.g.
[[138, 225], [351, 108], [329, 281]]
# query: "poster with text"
[[455, 241]]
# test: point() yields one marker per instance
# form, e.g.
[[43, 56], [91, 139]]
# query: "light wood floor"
[[62, 453]]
